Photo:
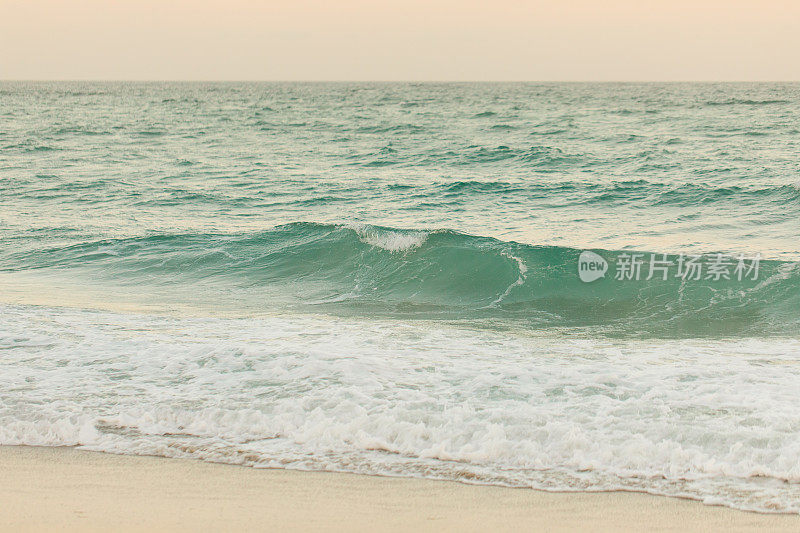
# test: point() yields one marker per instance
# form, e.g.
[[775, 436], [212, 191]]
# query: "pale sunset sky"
[[613, 40]]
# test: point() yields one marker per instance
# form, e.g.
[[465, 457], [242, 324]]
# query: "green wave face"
[[359, 269]]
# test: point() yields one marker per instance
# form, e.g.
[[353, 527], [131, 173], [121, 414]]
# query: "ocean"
[[573, 287]]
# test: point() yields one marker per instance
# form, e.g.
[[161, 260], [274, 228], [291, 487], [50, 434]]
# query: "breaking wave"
[[363, 269]]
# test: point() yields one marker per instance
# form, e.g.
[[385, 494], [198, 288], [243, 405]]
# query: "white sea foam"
[[522, 268], [714, 420], [392, 241]]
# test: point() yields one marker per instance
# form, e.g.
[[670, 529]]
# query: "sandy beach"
[[46, 489]]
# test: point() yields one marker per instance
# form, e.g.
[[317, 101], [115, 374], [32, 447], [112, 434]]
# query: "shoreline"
[[67, 489]]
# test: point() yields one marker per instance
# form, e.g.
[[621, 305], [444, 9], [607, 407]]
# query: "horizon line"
[[210, 80]]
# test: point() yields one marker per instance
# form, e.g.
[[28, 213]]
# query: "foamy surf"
[[713, 420]]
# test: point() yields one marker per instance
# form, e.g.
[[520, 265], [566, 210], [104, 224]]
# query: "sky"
[[435, 40]]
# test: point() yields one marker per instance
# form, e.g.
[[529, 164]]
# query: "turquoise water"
[[384, 278]]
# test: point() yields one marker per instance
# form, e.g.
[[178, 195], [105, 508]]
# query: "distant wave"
[[242, 192], [615, 192], [740, 101]]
